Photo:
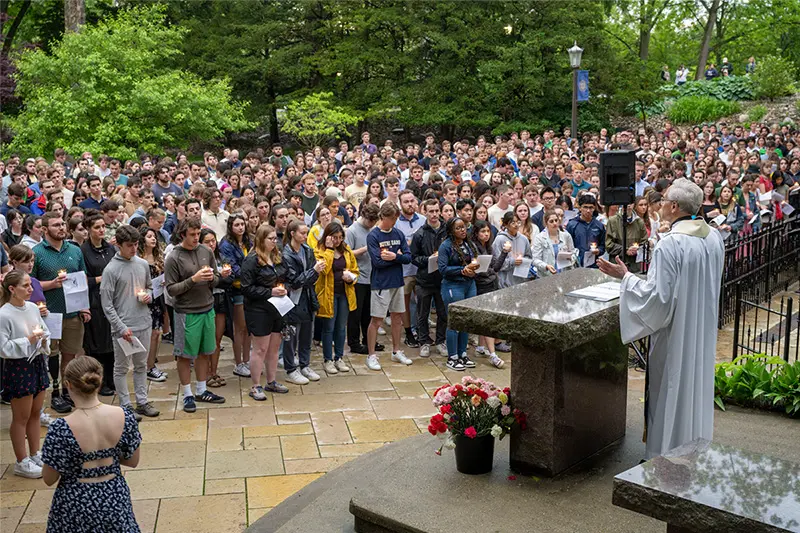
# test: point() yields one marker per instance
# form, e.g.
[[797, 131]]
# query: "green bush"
[[774, 77], [729, 88], [747, 381], [696, 109], [756, 113]]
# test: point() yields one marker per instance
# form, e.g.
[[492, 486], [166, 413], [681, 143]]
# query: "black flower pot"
[[474, 456]]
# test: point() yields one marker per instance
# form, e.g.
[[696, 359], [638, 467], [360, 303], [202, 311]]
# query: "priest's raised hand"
[[608, 268]]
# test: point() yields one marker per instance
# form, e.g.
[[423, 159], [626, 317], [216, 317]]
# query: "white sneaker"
[[388, 321], [442, 349], [400, 357], [45, 419], [372, 362], [242, 370], [482, 351], [381, 331], [496, 361], [27, 468], [329, 367], [37, 459], [296, 377], [341, 366], [280, 362], [309, 373], [425, 350]]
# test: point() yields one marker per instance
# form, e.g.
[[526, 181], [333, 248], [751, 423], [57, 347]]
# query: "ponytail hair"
[[12, 279]]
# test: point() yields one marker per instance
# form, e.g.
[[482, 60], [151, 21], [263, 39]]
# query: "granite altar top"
[[726, 488], [545, 299]]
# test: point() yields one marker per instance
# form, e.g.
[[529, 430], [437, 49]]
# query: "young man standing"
[[388, 252], [588, 233], [505, 197], [125, 292], [95, 199], [164, 185], [310, 196], [355, 193], [54, 259], [424, 245], [409, 223], [358, 320], [392, 186], [190, 277]]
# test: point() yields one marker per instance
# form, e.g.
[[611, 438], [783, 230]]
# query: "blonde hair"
[[85, 374], [260, 245]]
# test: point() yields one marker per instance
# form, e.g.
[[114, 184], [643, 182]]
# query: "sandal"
[[220, 380], [212, 382]]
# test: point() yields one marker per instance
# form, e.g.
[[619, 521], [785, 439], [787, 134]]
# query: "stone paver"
[[224, 466]]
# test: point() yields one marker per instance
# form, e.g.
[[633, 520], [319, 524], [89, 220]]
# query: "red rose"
[[470, 432]]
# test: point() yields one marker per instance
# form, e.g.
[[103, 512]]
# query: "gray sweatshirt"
[[119, 288], [181, 265]]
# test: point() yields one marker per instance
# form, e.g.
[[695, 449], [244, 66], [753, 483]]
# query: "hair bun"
[[85, 374]]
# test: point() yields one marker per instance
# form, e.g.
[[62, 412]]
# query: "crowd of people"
[[329, 247], [711, 72]]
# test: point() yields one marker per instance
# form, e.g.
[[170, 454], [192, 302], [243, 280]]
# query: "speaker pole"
[[624, 232]]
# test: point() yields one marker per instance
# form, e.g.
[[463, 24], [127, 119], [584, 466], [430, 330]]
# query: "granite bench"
[[705, 487]]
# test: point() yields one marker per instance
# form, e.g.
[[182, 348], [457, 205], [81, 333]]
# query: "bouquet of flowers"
[[473, 408]]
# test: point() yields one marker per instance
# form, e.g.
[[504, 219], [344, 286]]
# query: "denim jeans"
[[297, 347], [334, 329], [424, 297], [455, 292]]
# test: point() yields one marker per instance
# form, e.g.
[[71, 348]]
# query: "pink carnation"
[[505, 410], [470, 432]]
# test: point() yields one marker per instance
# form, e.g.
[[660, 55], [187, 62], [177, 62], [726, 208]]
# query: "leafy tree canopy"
[[114, 88]]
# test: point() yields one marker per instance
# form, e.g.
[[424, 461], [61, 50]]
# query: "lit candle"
[[62, 272], [37, 330], [42, 306], [225, 265], [279, 286], [474, 262], [141, 294], [593, 246]]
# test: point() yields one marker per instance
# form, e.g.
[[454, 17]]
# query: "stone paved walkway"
[[223, 467]]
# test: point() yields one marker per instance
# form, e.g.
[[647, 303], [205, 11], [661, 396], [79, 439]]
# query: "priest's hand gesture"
[[617, 270]]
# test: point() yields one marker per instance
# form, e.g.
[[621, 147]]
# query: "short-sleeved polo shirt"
[[48, 261]]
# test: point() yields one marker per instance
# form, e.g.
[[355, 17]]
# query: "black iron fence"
[[761, 329], [758, 266]]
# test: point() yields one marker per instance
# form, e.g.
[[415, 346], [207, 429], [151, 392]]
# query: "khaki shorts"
[[409, 284], [387, 300], [71, 341]]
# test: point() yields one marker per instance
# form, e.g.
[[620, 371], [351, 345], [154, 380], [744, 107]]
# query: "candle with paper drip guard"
[[42, 306], [141, 295], [62, 273], [593, 246], [37, 330]]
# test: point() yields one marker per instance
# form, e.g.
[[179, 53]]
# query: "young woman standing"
[[234, 249], [485, 282], [24, 344], [150, 251], [262, 278], [222, 306]]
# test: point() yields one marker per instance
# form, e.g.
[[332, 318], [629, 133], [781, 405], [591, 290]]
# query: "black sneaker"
[[467, 362], [379, 347], [210, 397], [167, 338], [411, 342], [454, 363], [105, 390], [66, 397], [60, 405], [360, 348], [188, 404]]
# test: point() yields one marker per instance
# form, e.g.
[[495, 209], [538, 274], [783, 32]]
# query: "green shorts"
[[194, 334]]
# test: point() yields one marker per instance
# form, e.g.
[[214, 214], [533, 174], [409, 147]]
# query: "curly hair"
[[473, 251]]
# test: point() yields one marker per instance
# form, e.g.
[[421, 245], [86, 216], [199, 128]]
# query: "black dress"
[[77, 507], [157, 305], [97, 340]]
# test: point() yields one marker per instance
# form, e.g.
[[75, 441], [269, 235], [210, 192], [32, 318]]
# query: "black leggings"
[[358, 320]]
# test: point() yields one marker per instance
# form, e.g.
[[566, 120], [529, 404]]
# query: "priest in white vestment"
[[677, 306]]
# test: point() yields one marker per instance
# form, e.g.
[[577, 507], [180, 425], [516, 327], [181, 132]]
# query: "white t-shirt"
[[495, 215]]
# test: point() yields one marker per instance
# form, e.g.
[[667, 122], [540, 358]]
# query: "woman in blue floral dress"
[[92, 496]]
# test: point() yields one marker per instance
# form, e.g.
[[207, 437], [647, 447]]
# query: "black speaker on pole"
[[617, 169]]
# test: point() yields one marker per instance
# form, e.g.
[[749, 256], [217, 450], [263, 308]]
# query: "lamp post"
[[575, 62]]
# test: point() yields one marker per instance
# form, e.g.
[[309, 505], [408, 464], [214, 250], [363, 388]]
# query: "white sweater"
[[16, 323]]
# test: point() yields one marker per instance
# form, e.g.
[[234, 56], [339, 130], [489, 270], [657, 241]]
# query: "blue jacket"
[[584, 233], [233, 255], [387, 274], [450, 263]]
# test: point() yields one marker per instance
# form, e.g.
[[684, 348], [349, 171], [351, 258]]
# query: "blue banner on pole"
[[583, 85]]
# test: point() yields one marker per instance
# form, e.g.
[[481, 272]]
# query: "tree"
[[113, 88], [74, 14], [314, 120], [712, 8], [774, 77]]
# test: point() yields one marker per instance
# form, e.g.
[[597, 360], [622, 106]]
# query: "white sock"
[[187, 390], [201, 387]]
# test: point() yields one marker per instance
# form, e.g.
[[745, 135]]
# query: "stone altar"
[[569, 373]]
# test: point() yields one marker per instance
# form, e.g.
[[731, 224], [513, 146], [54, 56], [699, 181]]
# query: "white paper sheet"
[[765, 198], [522, 270], [588, 259], [130, 348], [76, 292], [753, 219], [720, 219], [724, 234], [563, 260], [484, 261], [158, 286], [54, 322], [604, 292], [294, 296], [640, 254], [569, 214], [433, 264], [283, 304], [777, 197], [787, 209]]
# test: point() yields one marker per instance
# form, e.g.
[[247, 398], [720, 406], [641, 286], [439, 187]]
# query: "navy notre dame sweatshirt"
[[387, 274]]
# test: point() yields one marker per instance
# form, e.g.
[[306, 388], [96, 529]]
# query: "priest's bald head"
[[682, 199]]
